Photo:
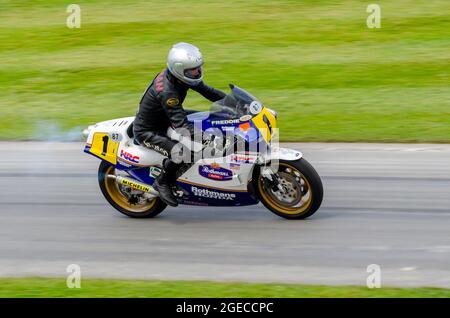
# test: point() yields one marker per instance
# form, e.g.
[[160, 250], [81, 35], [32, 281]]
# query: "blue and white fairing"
[[210, 181]]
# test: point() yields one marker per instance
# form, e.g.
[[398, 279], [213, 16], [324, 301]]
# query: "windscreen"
[[238, 103]]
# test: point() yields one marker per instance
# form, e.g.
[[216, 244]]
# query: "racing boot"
[[163, 184]]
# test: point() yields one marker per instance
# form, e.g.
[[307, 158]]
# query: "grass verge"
[[56, 287], [329, 76]]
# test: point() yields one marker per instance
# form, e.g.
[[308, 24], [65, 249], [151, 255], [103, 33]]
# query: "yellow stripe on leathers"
[[266, 122], [103, 147]]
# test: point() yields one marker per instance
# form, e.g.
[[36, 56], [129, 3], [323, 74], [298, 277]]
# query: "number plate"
[[105, 148]]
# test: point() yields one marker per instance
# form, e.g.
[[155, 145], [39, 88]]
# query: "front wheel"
[[124, 199], [302, 190]]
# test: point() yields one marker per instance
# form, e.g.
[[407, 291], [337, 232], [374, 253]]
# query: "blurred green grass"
[[56, 287], [329, 77]]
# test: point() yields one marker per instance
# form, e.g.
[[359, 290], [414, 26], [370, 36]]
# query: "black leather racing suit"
[[161, 107]]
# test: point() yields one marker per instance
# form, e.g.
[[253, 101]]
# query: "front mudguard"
[[283, 154]]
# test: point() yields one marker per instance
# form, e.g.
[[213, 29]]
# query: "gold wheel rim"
[[119, 198], [285, 209]]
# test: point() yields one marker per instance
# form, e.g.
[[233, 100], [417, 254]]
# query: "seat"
[[130, 131], [130, 134]]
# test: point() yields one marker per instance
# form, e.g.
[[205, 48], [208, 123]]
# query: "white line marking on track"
[[408, 269]]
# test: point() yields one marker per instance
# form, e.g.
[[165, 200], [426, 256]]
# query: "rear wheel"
[[125, 199], [302, 190]]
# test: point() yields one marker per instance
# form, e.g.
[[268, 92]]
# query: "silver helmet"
[[185, 63]]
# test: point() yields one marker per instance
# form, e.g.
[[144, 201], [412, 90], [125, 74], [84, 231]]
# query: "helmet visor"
[[194, 73]]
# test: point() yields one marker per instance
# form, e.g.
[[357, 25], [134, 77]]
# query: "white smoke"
[[51, 131]]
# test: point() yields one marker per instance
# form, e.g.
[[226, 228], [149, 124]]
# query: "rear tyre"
[[131, 205], [304, 190]]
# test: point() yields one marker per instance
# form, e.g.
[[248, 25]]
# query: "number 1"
[[105, 145], [267, 122]]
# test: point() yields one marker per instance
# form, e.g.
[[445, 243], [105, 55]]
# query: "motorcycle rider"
[[161, 108]]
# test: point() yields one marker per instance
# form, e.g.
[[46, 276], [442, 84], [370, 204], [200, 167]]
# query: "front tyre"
[[124, 199], [303, 190]]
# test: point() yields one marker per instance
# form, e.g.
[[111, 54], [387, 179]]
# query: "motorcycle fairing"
[[206, 195], [137, 161]]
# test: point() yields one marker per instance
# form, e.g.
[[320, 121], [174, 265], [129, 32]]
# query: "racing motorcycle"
[[235, 173]]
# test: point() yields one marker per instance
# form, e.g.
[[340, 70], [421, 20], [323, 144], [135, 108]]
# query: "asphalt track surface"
[[384, 204]]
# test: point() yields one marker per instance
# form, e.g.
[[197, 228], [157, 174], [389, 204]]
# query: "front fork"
[[272, 179]]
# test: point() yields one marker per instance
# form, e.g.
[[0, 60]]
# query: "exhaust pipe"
[[86, 131], [132, 183]]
